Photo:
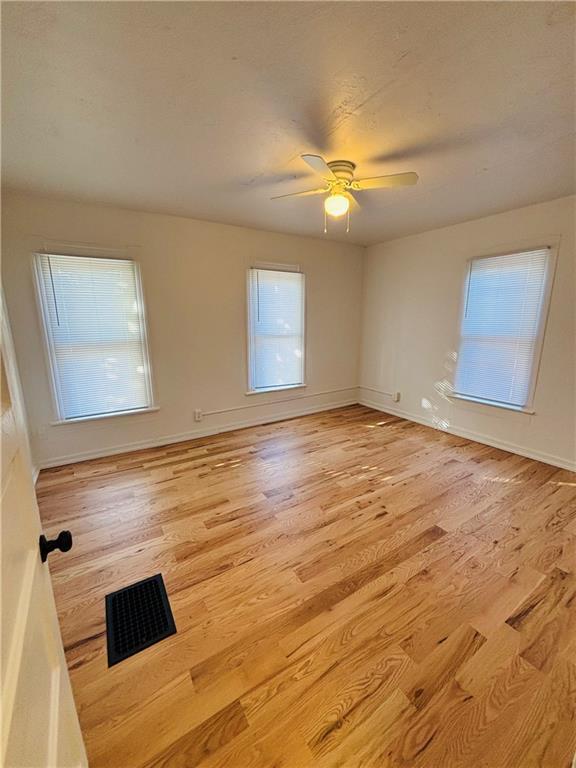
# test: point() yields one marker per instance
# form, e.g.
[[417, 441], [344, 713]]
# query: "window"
[[502, 325], [276, 329], [94, 321]]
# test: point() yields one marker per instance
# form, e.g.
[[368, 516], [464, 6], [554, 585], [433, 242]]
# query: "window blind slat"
[[276, 333], [95, 325], [500, 326]]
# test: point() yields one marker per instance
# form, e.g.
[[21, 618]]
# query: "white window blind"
[[501, 327], [276, 329], [94, 321]]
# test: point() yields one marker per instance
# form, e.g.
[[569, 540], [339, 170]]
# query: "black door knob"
[[63, 543]]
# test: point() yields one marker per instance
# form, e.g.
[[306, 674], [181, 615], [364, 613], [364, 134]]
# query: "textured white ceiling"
[[202, 109]]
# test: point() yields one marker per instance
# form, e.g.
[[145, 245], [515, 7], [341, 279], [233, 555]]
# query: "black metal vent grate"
[[137, 617]]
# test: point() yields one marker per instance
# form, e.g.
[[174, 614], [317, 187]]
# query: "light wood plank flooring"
[[350, 589]]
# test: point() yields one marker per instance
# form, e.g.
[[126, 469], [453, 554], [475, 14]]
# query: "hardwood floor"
[[349, 588]]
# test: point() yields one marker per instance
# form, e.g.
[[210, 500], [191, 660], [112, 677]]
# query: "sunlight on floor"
[[509, 480]]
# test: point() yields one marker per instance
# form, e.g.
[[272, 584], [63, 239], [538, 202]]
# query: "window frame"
[[59, 417], [272, 267], [528, 407]]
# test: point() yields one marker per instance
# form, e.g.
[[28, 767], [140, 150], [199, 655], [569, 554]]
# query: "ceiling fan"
[[340, 184]]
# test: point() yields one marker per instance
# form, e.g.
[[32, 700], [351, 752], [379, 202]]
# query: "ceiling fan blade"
[[319, 165], [394, 180], [301, 194], [354, 204]]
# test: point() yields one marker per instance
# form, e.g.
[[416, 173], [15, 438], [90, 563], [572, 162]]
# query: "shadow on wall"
[[437, 406]]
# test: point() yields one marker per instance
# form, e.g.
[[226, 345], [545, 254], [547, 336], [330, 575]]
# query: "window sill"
[[275, 389], [493, 403], [100, 416]]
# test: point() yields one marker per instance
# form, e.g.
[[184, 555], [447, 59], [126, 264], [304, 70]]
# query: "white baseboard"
[[546, 458], [182, 437], [369, 402]]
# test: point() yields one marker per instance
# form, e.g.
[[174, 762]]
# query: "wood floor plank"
[[216, 731], [349, 589], [441, 665]]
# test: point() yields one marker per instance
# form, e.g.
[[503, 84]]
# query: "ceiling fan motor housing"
[[342, 169]]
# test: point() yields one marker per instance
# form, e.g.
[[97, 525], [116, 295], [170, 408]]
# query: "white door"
[[40, 726]]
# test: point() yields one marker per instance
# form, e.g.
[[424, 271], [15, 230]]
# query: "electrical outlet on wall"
[[198, 414], [396, 397]]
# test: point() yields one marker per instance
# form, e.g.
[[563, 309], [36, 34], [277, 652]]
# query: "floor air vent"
[[137, 617]]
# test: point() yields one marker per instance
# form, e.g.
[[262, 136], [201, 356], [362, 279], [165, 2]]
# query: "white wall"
[[194, 277], [411, 305]]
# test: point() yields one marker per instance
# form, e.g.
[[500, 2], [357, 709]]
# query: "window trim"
[[493, 403], [528, 407], [99, 416], [271, 267], [48, 342], [280, 388]]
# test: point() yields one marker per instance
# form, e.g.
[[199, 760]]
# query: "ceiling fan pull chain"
[[348, 221], [325, 226]]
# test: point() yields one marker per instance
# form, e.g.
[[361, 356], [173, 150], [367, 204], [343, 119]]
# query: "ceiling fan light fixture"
[[336, 205], [339, 186]]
